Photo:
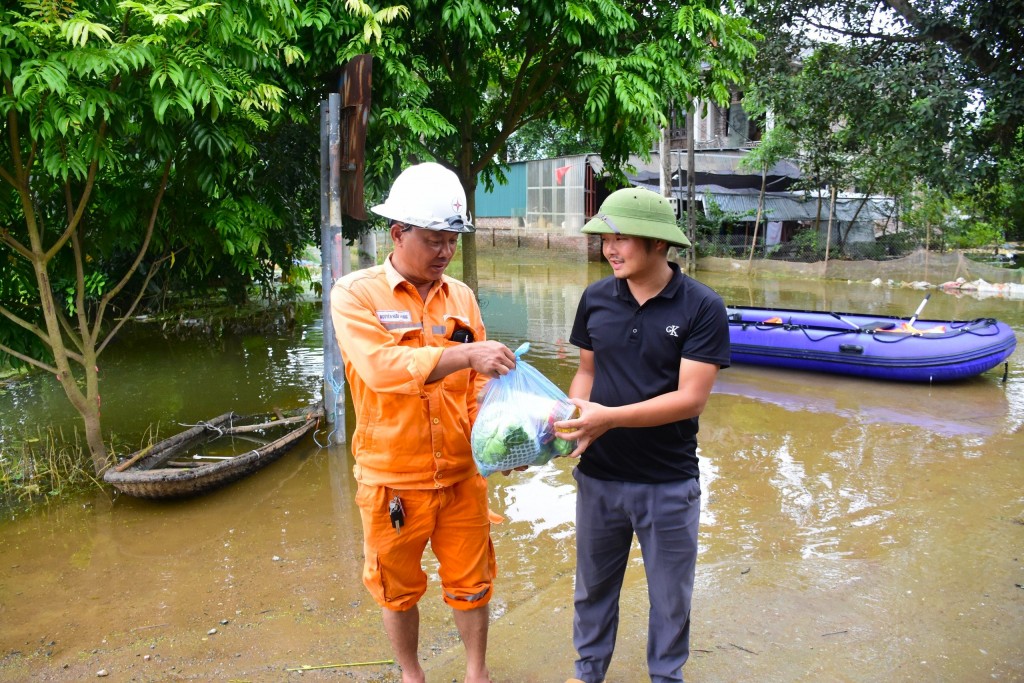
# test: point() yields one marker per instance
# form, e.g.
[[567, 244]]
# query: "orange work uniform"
[[412, 439]]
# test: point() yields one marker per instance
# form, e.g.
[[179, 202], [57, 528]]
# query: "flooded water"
[[851, 530]]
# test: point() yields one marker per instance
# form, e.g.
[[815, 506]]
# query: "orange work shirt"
[[409, 434]]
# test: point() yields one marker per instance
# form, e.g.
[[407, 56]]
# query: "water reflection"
[[978, 406], [832, 505], [540, 500], [149, 378]]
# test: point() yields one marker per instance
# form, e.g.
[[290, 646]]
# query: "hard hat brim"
[[451, 224], [635, 227]]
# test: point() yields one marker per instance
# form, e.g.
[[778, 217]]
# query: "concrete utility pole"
[[333, 252], [691, 189], [343, 119], [666, 165]]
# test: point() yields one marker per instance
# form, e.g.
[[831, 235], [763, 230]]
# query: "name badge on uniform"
[[394, 316]]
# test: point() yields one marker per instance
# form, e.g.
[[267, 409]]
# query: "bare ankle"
[[483, 676], [416, 676]]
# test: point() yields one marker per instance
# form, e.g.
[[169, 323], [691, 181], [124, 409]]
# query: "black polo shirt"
[[637, 350]]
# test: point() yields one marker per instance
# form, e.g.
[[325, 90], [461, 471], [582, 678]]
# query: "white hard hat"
[[427, 195]]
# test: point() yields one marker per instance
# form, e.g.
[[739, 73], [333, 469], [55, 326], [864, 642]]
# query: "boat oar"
[[913, 318], [843, 320], [134, 459]]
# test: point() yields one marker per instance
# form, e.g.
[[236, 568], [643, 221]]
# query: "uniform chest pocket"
[[408, 336]]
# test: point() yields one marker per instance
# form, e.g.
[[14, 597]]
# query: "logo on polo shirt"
[[672, 329]]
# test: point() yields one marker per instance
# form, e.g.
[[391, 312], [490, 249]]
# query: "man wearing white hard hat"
[[416, 356]]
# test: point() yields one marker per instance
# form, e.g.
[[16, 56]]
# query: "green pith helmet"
[[637, 212]]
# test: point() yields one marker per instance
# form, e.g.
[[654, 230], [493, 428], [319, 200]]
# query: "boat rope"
[[205, 425], [981, 327], [338, 389]]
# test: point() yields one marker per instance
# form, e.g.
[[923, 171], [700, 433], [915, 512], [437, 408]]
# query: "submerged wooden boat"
[[211, 454], [877, 347]]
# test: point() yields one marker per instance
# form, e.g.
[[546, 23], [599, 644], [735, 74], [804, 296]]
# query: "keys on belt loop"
[[397, 513]]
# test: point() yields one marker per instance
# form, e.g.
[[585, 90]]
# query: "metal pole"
[[691, 188], [665, 168], [341, 261], [330, 257]]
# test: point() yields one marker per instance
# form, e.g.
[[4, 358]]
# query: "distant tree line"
[[917, 100]]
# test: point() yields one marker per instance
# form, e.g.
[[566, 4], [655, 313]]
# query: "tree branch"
[[20, 178], [865, 35], [5, 237], [80, 311], [12, 131], [28, 359], [68, 330], [6, 175], [142, 250], [507, 131], [83, 201], [943, 31], [544, 75], [24, 324], [138, 297], [69, 202]]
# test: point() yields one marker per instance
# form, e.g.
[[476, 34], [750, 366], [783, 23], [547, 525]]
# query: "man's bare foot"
[[481, 677], [417, 676]]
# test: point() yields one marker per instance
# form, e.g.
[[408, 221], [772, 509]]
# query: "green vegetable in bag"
[[515, 423]]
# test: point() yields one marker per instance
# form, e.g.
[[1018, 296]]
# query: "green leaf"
[[78, 29]]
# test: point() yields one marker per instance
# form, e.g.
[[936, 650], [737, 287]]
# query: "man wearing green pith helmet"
[[651, 343]]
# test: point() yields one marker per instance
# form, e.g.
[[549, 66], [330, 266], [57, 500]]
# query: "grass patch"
[[39, 468], [43, 466]]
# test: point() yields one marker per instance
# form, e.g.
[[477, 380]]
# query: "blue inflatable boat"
[[877, 347]]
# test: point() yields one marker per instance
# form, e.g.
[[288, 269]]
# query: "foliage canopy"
[[453, 81], [910, 92], [131, 140]]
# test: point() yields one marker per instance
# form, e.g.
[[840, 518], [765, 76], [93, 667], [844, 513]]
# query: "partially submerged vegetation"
[[46, 464], [199, 319], [41, 465]]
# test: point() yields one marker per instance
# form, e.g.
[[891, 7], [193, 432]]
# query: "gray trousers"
[[664, 518]]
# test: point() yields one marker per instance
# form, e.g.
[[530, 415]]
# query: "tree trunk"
[[94, 435], [468, 178], [368, 249], [665, 166], [757, 218], [831, 216], [817, 219], [83, 345], [87, 404]]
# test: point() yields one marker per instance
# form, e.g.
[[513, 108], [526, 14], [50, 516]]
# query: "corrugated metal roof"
[[799, 206], [711, 162]]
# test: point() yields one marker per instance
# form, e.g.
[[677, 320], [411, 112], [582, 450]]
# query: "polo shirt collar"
[[395, 278], [669, 292]]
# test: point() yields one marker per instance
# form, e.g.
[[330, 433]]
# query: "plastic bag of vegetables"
[[515, 423]]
